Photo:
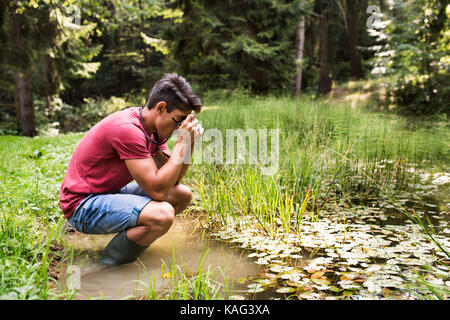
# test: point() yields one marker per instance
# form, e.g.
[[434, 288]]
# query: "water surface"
[[117, 282]]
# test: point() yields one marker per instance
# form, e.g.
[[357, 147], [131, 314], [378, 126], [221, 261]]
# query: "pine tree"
[[414, 54], [238, 43], [44, 48], [325, 82]]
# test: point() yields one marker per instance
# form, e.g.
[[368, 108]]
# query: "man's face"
[[168, 122]]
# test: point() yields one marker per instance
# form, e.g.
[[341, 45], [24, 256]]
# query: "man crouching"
[[98, 196]]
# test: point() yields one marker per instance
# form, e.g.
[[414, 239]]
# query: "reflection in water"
[[116, 282]]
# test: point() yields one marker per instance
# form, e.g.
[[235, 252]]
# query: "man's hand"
[[198, 132], [187, 130]]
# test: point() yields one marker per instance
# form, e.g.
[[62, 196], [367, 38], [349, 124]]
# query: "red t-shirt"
[[97, 164]]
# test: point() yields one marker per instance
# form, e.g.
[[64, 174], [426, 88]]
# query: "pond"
[[183, 239]]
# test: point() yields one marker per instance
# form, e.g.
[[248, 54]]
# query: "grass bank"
[[32, 237]]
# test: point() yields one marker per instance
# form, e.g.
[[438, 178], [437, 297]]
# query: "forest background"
[[64, 65]]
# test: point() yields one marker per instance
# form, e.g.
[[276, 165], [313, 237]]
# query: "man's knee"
[[157, 215], [166, 214], [185, 194]]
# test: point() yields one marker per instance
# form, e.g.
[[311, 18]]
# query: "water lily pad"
[[309, 296], [334, 289], [294, 283], [285, 290], [372, 286], [411, 261], [285, 276], [317, 275], [373, 268], [265, 282], [322, 281], [262, 261], [255, 288], [314, 268], [347, 293], [276, 268], [254, 285], [348, 285], [322, 287]]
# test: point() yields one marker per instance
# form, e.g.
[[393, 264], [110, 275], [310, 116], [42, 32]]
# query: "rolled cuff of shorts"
[[136, 211]]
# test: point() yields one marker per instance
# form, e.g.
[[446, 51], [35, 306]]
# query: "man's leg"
[[156, 217], [155, 220], [179, 196]]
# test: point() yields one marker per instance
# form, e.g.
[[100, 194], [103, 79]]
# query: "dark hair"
[[176, 92]]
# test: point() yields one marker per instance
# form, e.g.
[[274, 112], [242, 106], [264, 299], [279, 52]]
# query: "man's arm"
[[158, 182], [162, 156]]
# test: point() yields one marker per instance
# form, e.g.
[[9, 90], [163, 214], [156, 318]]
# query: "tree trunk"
[[355, 57], [46, 79], [16, 99], [324, 74], [382, 6], [300, 46], [25, 101], [22, 79]]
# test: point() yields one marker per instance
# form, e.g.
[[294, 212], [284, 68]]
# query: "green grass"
[[31, 227]]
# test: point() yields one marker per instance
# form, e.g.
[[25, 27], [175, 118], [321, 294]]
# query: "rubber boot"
[[121, 250]]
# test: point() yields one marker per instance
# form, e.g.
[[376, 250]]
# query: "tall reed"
[[316, 140]]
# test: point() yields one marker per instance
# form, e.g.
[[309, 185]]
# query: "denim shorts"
[[109, 212]]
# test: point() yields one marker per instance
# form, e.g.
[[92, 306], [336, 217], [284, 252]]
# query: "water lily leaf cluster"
[[342, 255]]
